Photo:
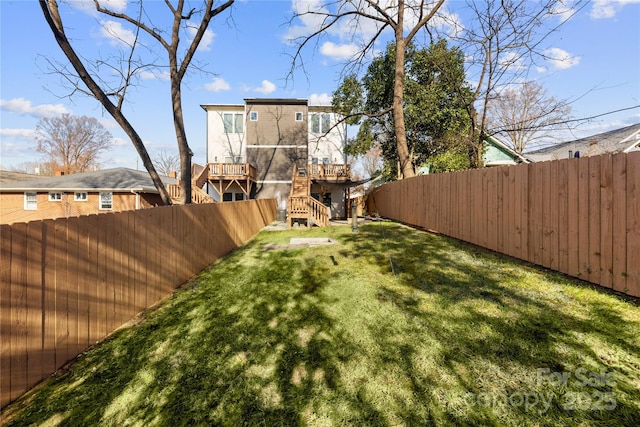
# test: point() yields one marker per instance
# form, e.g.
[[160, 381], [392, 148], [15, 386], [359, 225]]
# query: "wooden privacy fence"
[[67, 283], [577, 216]]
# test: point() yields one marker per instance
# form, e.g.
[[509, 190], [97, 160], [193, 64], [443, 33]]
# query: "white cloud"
[[266, 88], [148, 75], [207, 37], [338, 51], [117, 5], [19, 133], [511, 61], [603, 9], [120, 142], [22, 106], [108, 122], [560, 59], [320, 99], [116, 33], [89, 7], [312, 16], [218, 84], [563, 11], [447, 22]]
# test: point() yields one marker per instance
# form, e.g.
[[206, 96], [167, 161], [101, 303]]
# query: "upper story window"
[[106, 200], [299, 116], [320, 123], [233, 122], [80, 196], [30, 201], [253, 116], [55, 196]]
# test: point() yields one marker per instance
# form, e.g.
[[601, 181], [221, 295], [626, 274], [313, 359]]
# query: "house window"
[[106, 200], [320, 123], [55, 197], [314, 160], [253, 116], [233, 123], [299, 117], [227, 197], [325, 160], [326, 121], [80, 196], [30, 201], [239, 197]]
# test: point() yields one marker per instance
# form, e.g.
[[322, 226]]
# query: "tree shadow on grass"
[[237, 346], [255, 340], [485, 322]]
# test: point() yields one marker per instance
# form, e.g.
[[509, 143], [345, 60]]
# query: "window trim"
[[299, 114], [236, 125], [101, 205], [320, 123], [78, 199], [30, 205], [253, 116], [53, 198]]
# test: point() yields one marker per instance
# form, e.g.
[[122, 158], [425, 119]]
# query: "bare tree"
[[526, 114], [166, 163], [503, 40], [72, 144], [130, 67], [33, 168], [405, 18], [372, 161]]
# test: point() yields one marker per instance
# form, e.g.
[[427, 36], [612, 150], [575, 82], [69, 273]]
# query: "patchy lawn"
[[390, 326]]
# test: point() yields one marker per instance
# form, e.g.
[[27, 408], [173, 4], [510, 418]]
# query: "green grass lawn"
[[390, 326]]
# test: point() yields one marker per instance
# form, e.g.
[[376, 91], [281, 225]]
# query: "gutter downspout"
[[137, 199]]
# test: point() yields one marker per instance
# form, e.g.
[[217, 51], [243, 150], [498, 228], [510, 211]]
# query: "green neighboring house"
[[495, 153]]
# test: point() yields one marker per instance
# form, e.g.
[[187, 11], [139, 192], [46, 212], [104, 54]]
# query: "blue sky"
[[246, 54]]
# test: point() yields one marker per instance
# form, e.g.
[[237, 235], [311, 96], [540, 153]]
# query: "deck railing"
[[232, 171], [197, 195], [309, 208], [198, 180], [329, 171]]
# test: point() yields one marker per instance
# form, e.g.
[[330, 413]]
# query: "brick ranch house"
[[108, 190]]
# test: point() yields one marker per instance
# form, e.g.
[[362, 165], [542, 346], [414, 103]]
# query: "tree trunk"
[[404, 157], [183, 146], [52, 16]]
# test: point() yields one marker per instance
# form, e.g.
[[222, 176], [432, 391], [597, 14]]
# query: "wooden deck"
[[329, 172], [232, 171]]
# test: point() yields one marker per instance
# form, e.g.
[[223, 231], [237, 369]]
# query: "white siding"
[[329, 145], [220, 145]]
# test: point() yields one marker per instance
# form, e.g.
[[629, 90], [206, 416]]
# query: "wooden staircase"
[[198, 195], [301, 205]]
